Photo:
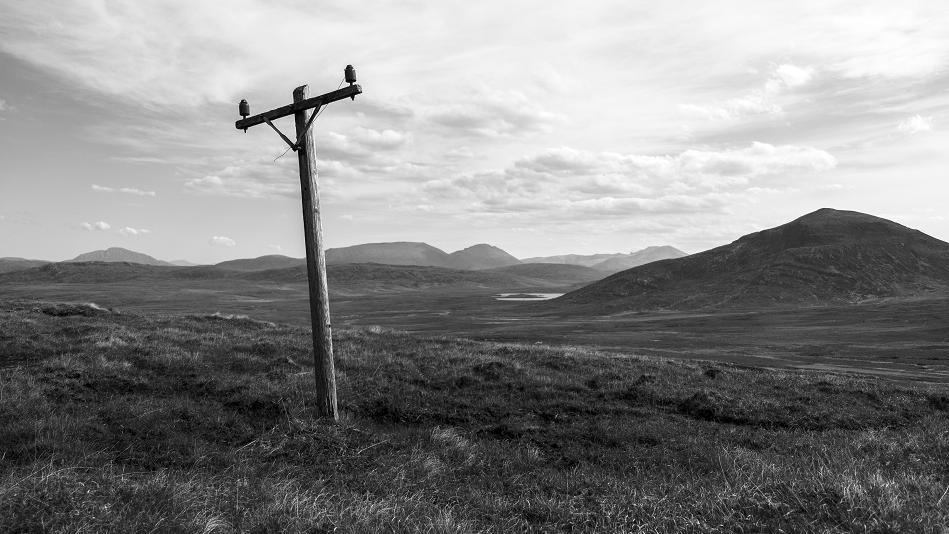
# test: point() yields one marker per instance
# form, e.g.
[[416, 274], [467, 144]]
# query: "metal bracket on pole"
[[293, 146]]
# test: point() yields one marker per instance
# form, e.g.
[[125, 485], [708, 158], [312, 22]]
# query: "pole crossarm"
[[290, 109]]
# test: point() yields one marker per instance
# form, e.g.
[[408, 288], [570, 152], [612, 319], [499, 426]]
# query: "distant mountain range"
[[473, 258], [350, 279], [477, 257], [828, 256], [613, 263], [825, 257]]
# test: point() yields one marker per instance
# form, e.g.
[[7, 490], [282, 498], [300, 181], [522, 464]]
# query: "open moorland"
[[902, 338], [832, 290], [127, 422]]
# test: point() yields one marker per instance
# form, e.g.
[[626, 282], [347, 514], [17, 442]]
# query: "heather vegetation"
[[124, 422]]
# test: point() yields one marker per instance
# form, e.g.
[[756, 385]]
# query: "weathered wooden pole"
[[323, 367]]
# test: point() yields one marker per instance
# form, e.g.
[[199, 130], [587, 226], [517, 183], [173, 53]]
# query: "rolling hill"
[[118, 254], [482, 256], [398, 253], [8, 265], [103, 272], [828, 256]]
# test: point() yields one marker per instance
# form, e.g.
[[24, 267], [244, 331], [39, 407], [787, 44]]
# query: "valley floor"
[[902, 339], [139, 421]]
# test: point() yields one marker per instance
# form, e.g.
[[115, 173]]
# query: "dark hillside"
[[373, 276], [262, 263], [8, 265], [827, 256], [98, 272], [562, 273]]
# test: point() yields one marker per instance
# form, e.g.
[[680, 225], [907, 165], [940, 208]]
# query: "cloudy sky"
[[542, 127]]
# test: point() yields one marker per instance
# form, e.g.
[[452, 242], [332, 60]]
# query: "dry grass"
[[124, 423]]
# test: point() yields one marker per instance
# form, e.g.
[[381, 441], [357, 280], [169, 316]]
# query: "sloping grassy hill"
[[8, 264], [129, 423], [825, 257]]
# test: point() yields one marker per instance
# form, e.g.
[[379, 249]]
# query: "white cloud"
[[916, 124], [734, 108], [222, 241], [128, 231], [791, 76], [276, 248], [3, 105], [98, 225], [493, 113], [566, 183], [605, 76], [262, 178], [126, 190], [761, 101], [379, 140]]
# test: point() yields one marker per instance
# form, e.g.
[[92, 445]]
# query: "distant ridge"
[[611, 263], [481, 256], [118, 254], [588, 260], [261, 263], [398, 253], [828, 256], [640, 257], [476, 257]]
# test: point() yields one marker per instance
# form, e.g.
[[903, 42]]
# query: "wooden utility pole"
[[323, 366]]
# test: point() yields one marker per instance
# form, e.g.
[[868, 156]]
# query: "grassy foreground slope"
[[124, 423]]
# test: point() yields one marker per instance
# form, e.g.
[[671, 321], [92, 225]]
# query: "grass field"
[[905, 339], [201, 423]]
